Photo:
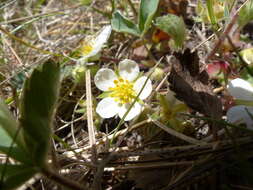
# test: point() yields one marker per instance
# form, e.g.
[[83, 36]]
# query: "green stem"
[[113, 4], [105, 14]]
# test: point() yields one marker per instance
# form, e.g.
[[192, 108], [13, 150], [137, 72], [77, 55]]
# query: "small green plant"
[[246, 14], [147, 11], [28, 140], [175, 27], [212, 12]]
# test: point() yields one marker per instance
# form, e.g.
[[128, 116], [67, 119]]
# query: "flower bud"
[[157, 75], [78, 73]]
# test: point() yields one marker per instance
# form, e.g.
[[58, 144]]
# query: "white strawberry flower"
[[92, 46], [241, 90], [122, 90]]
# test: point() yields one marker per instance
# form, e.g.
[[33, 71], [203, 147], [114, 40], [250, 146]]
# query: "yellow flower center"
[[86, 48], [123, 91]]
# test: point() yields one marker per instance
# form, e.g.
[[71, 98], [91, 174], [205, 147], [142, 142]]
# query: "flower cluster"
[[122, 90]]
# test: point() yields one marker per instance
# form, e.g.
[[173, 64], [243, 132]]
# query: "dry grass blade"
[[154, 165], [177, 134], [91, 128]]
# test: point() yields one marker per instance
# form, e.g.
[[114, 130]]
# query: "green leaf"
[[174, 26], [123, 24], [9, 124], [146, 13], [38, 103], [13, 151], [210, 10], [86, 2], [8, 133], [246, 13], [14, 175]]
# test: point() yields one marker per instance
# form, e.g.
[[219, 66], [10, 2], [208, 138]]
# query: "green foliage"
[[18, 80], [8, 124], [210, 9], [228, 4], [38, 102], [14, 175], [246, 14], [213, 11], [147, 11], [12, 142], [29, 142], [78, 73], [123, 24], [174, 26], [86, 2]]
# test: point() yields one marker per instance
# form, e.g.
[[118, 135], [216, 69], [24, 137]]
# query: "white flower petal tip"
[[104, 34], [107, 108], [128, 69], [135, 111], [101, 39], [104, 79], [240, 115], [240, 89], [92, 47], [147, 88]]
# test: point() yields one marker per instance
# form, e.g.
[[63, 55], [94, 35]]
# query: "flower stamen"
[[86, 48], [123, 91]]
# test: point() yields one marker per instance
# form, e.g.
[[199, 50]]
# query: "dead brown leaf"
[[192, 86]]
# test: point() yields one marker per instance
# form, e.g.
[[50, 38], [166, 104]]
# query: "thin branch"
[[225, 33], [177, 134], [61, 180]]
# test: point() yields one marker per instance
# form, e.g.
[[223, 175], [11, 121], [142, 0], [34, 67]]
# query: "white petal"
[[107, 108], [100, 40], [240, 89], [104, 35], [136, 110], [147, 89], [128, 69], [239, 115], [93, 54], [104, 79]]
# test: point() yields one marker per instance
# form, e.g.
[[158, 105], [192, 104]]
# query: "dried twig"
[[177, 134], [91, 128]]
